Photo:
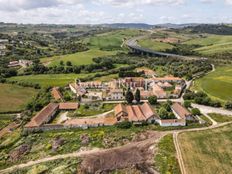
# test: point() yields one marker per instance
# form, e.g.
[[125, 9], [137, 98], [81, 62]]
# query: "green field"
[[207, 152], [81, 58], [14, 98], [111, 40], [212, 44], [217, 84], [155, 45], [50, 79]]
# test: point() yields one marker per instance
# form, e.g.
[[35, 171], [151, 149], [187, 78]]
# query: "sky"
[[115, 11]]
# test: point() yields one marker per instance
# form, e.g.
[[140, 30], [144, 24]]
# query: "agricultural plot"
[[14, 98], [111, 40], [217, 84], [50, 79], [80, 58], [155, 45], [207, 152], [5, 119], [212, 44]]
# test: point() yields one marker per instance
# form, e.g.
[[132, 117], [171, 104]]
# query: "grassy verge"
[[14, 98], [220, 118], [165, 160]]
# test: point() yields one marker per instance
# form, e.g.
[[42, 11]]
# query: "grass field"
[[207, 152], [14, 98], [212, 44], [155, 45], [111, 40], [81, 58], [217, 84], [50, 79], [166, 161]]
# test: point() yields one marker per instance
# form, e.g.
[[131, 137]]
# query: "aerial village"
[[165, 89]]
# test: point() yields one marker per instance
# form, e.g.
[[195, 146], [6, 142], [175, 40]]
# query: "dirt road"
[[138, 153]]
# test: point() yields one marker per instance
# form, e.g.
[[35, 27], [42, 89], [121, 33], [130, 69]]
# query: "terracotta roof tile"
[[43, 115], [180, 110]]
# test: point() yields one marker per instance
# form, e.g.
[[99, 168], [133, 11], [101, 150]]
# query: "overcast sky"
[[112, 11]]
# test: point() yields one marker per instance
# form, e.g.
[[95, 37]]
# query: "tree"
[[152, 100], [68, 63], [228, 105], [163, 113], [62, 63], [137, 96], [129, 96], [196, 111], [187, 104]]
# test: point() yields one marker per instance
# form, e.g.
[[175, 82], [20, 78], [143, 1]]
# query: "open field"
[[217, 84], [207, 152], [50, 79], [111, 40], [80, 58], [212, 44], [155, 45], [14, 97]]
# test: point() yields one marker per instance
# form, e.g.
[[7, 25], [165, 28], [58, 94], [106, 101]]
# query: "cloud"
[[14, 5], [131, 3], [228, 2]]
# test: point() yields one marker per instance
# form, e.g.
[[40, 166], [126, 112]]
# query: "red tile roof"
[[135, 113], [43, 115], [180, 110], [56, 93]]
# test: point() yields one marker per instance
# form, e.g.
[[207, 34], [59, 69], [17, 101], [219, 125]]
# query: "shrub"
[[152, 100], [196, 111], [228, 105], [124, 125]]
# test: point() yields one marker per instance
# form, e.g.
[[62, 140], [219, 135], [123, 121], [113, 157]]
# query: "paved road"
[[132, 44], [208, 110]]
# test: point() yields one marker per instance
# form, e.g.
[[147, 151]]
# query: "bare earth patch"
[[137, 154]]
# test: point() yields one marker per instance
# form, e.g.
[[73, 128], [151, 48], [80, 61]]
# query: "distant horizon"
[[218, 23]]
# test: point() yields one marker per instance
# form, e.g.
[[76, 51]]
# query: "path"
[[152, 140]]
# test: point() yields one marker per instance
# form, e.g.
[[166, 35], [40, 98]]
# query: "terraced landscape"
[[212, 83], [14, 98]]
